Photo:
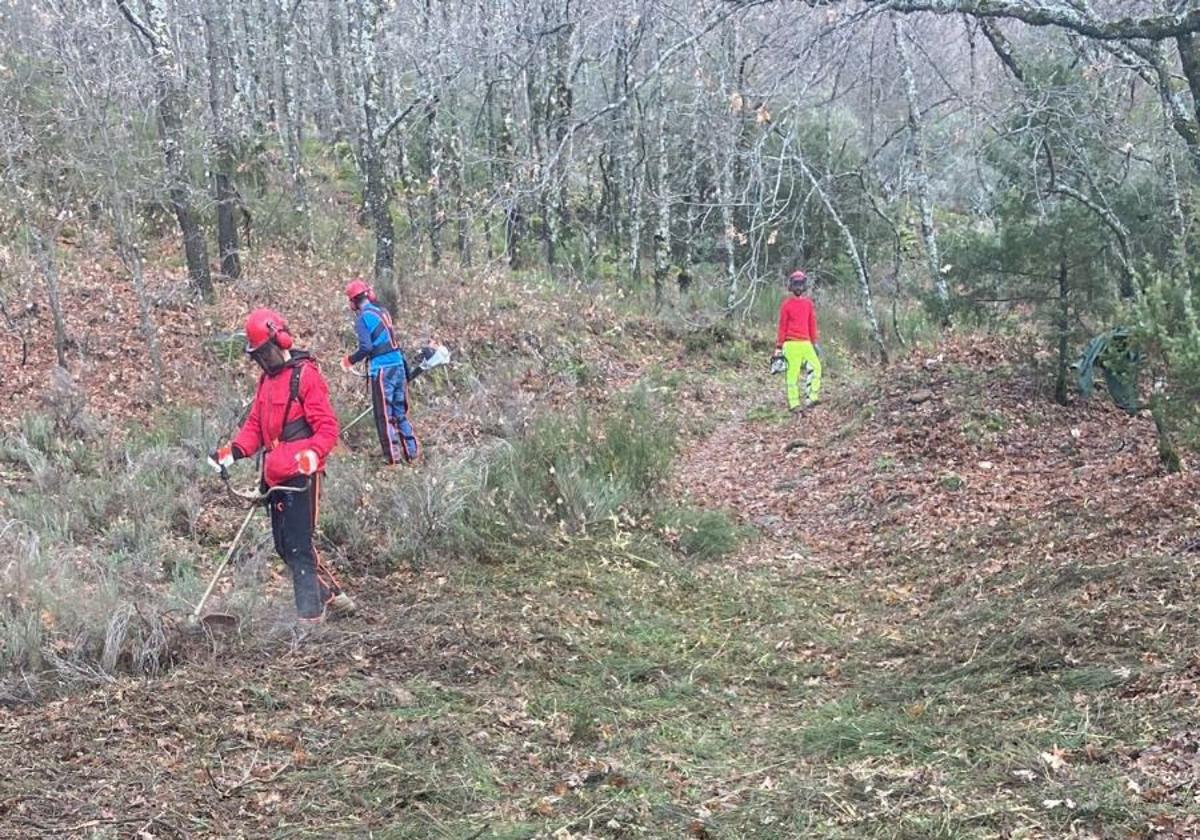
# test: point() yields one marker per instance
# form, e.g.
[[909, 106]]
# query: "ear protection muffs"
[[263, 325], [282, 338]]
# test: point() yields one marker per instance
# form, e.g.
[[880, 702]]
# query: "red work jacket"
[[265, 423]]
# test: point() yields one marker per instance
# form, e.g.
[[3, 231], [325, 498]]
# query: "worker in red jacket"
[[292, 422], [796, 342]]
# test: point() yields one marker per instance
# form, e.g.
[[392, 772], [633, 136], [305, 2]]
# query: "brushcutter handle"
[[255, 497], [221, 457]]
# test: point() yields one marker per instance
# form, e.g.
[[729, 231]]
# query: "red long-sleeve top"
[[797, 321], [264, 425]]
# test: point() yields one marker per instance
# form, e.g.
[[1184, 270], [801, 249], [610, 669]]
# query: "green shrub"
[[345, 521], [710, 339], [703, 535], [1167, 332], [424, 505], [64, 613], [567, 476]]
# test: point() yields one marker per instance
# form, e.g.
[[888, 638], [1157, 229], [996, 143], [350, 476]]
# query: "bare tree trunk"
[[131, 257], [860, 267], [462, 218], [1064, 327], [216, 38], [493, 166], [728, 237], [635, 164], [562, 103], [433, 153], [43, 251], [376, 193], [251, 81], [171, 105], [897, 257], [924, 194], [1168, 452], [729, 233], [636, 184], [289, 115], [692, 230], [337, 35], [513, 224], [591, 230], [662, 231], [1178, 217]]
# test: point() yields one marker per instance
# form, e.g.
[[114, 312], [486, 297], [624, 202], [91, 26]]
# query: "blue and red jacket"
[[373, 326], [284, 424]]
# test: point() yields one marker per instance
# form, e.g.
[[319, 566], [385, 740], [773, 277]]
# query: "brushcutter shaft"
[[228, 554], [347, 427]]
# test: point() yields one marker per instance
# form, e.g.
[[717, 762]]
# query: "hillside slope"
[[964, 612]]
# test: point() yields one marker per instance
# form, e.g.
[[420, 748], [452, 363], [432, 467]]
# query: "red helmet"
[[797, 281], [263, 325], [358, 287]]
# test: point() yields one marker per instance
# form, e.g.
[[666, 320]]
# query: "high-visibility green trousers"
[[798, 355]]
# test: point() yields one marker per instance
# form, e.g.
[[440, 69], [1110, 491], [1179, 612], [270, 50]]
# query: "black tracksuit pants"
[[293, 522]]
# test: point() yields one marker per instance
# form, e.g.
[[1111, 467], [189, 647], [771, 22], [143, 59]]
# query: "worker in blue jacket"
[[387, 373]]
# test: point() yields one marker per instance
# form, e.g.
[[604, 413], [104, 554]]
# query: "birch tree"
[[921, 164]]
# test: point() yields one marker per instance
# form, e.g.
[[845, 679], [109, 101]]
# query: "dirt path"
[[950, 455]]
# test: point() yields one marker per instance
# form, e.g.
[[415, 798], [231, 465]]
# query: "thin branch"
[[1152, 28], [401, 117], [137, 23], [1002, 48]]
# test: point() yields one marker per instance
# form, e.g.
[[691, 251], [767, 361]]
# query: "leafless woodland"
[[889, 147]]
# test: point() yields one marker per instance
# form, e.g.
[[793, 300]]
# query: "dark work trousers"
[[293, 521], [389, 401]]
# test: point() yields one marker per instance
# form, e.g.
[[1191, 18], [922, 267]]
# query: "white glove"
[[221, 458]]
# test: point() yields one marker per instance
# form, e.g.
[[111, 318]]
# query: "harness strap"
[[381, 350], [381, 328], [298, 428]]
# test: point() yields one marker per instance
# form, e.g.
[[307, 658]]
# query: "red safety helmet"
[[797, 281], [263, 325], [356, 288]]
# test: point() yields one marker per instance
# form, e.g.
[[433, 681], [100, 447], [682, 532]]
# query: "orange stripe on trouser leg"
[[325, 576]]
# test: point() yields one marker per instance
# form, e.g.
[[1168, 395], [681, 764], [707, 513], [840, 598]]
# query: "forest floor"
[[957, 610]]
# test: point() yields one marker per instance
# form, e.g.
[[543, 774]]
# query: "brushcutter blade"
[[219, 621], [440, 356]]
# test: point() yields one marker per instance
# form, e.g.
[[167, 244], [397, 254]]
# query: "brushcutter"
[[256, 497], [215, 619], [431, 356]]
